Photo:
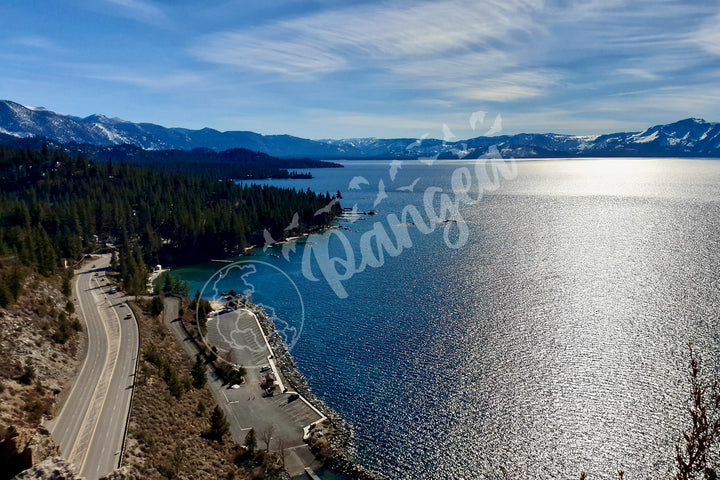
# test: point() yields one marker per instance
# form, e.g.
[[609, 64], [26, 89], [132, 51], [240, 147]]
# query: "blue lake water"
[[552, 340]]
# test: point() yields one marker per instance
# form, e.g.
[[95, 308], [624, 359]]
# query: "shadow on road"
[[96, 288], [97, 270]]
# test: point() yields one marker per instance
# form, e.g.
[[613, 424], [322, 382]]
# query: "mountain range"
[[691, 137]]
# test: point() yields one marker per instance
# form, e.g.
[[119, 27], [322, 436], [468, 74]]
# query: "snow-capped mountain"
[[22, 121], [686, 138]]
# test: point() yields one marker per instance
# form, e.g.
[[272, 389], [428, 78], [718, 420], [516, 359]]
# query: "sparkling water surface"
[[553, 341]]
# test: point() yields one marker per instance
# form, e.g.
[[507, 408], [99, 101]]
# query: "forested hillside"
[[233, 164], [55, 207], [236, 163]]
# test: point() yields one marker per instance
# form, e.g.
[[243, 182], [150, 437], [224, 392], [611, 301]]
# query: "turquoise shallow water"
[[552, 341]]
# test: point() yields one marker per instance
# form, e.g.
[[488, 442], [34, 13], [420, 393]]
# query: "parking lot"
[[239, 339]]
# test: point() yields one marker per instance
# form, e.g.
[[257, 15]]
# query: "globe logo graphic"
[[231, 329]]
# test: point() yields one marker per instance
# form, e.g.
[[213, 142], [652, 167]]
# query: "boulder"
[[55, 468]]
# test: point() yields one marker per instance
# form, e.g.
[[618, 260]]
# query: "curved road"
[[90, 429]]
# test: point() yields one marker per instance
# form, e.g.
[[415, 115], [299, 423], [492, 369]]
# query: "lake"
[[540, 330]]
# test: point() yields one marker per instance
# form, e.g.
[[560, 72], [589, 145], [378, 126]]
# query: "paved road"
[[90, 428]]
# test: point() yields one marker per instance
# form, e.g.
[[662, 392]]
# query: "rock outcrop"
[[54, 468], [21, 448]]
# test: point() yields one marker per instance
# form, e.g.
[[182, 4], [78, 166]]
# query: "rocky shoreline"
[[338, 454]]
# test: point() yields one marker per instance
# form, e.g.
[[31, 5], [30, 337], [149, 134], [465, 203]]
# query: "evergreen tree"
[[250, 441], [198, 372], [6, 297], [156, 306], [167, 284], [54, 207], [219, 426]]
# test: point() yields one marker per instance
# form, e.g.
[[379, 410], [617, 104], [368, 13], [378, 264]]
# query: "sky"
[[346, 69]]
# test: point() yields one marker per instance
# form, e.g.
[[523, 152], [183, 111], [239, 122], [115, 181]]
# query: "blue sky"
[[331, 69]]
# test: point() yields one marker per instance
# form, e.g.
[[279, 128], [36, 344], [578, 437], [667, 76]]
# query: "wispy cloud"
[[644, 40], [36, 42], [386, 121], [149, 81], [567, 57], [377, 67], [149, 78], [370, 36], [570, 121], [708, 36], [626, 111], [504, 87], [638, 73], [140, 10], [672, 102], [287, 58]]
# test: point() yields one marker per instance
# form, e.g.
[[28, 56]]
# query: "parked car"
[[293, 397], [264, 369]]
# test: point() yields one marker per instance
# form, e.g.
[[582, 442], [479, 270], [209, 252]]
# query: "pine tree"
[[54, 206], [250, 441], [167, 283], [219, 426], [139, 279], [156, 306], [6, 297], [177, 286], [198, 372]]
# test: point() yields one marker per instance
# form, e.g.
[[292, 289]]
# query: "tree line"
[[234, 163], [56, 207]]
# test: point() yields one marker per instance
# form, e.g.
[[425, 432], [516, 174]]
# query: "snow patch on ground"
[[16, 134], [704, 135], [36, 109], [586, 138], [109, 134], [675, 141], [643, 138], [584, 141]]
